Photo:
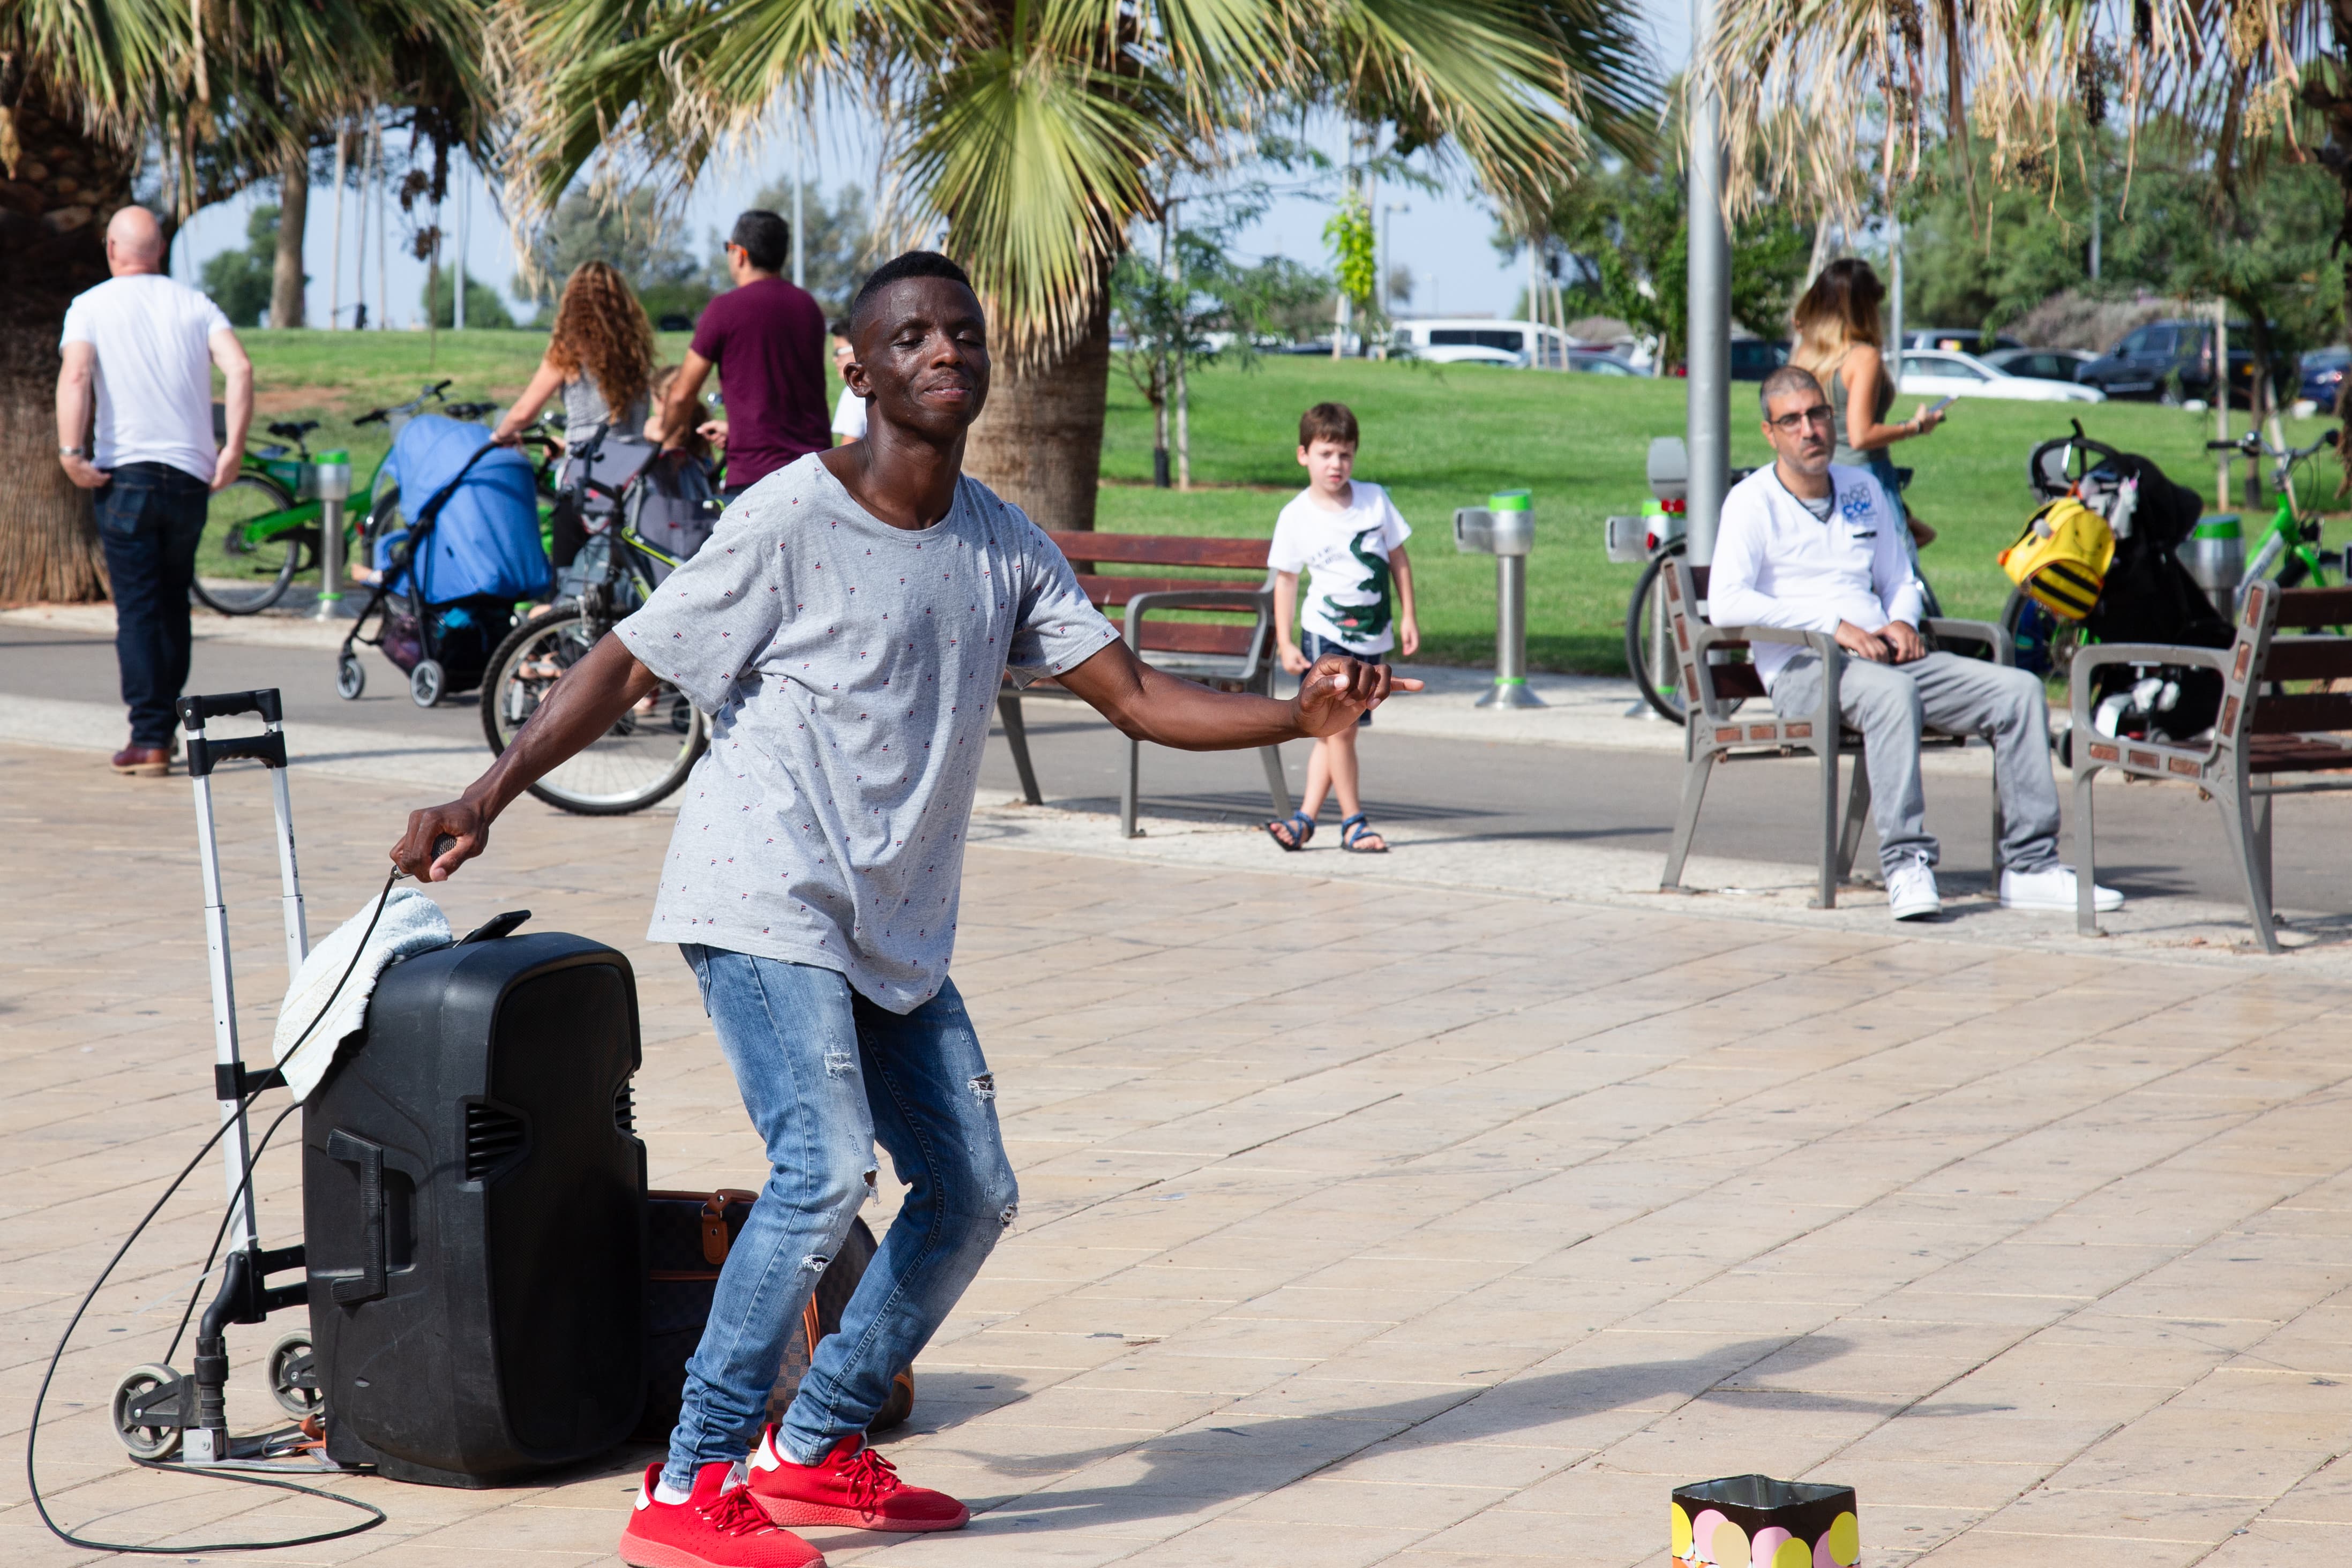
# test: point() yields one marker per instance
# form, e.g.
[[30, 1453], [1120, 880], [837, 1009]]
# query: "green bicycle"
[[2290, 546], [266, 519]]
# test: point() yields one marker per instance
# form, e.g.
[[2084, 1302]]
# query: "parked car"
[[1935, 374], [1957, 340], [1753, 358], [2043, 364], [2165, 358], [1453, 339], [1599, 364], [2322, 376]]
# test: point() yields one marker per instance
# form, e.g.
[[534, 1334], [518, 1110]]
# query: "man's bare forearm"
[[1194, 718]]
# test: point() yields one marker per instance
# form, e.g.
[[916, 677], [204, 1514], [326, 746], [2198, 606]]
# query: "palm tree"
[[1028, 132], [1826, 99], [89, 91]]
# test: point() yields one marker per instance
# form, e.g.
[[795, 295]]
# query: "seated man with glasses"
[[1817, 548]]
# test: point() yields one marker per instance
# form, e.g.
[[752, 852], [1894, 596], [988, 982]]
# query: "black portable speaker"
[[473, 1196]]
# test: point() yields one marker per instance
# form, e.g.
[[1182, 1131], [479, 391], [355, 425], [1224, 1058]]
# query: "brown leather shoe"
[[143, 761]]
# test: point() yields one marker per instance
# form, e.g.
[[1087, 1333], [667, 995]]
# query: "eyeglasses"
[[1821, 413]]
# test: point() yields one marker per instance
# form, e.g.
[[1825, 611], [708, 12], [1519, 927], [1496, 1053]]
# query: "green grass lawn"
[[1438, 438]]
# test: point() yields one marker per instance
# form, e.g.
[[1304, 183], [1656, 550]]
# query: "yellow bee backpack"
[[2061, 559]]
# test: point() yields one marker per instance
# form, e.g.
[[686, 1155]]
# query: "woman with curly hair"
[[600, 354]]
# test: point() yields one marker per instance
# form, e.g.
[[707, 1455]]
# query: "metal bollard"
[[1505, 529], [334, 482]]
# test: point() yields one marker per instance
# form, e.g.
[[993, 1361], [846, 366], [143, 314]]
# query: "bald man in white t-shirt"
[[144, 347]]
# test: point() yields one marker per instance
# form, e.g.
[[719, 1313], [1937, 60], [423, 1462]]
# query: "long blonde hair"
[[1838, 311], [601, 328]]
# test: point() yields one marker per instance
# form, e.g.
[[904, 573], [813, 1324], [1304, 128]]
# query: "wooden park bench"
[[2263, 732], [1716, 679], [1232, 649]]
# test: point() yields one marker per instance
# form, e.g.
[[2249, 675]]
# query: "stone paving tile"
[[1443, 1229]]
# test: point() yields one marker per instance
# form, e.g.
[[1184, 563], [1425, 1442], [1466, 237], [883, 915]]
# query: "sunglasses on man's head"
[[1821, 413]]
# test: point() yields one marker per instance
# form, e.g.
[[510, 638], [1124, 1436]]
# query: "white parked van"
[[1453, 339]]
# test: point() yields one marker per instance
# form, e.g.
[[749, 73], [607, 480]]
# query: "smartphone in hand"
[[1940, 407]]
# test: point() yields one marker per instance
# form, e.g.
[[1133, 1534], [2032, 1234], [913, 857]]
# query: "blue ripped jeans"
[[826, 1074]]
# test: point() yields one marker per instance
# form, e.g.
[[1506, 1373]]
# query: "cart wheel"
[[294, 1374], [144, 1437], [351, 677], [425, 682]]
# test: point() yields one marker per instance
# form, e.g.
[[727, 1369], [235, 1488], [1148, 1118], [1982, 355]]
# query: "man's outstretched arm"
[[581, 707], [1151, 705]]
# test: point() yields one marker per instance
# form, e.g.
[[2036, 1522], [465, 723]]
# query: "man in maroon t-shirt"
[[767, 338]]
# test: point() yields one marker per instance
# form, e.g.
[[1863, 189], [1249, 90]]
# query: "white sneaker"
[[2051, 889], [1911, 892]]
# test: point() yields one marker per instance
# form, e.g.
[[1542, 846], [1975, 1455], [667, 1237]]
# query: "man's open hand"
[[1904, 641], [1862, 645], [459, 820], [1338, 690]]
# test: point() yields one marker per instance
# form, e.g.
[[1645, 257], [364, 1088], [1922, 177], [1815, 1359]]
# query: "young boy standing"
[[1349, 537]]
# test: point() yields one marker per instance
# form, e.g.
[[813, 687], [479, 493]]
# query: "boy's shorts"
[[1314, 645]]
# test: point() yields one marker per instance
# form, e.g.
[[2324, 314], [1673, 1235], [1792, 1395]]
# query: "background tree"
[[88, 89], [485, 305], [1025, 133], [241, 282]]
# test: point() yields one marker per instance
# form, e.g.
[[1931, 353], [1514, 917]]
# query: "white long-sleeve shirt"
[[1776, 564]]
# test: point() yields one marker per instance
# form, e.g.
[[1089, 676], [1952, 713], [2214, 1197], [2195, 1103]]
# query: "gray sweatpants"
[[1890, 704]]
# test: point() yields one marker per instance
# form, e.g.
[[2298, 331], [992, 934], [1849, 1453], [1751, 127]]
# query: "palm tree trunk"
[[52, 247], [1038, 444], [286, 280]]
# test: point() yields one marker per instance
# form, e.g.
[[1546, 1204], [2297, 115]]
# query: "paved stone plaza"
[[1364, 1219]]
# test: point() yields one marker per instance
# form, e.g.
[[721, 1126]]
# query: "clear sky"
[[1443, 239]]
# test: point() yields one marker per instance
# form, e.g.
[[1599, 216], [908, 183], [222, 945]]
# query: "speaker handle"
[[371, 1285]]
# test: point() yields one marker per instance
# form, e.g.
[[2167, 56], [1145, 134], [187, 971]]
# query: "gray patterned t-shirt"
[[849, 669]]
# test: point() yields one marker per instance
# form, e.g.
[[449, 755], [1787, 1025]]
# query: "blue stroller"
[[450, 579]]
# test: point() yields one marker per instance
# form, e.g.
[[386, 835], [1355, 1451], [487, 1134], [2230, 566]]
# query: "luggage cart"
[[160, 1415]]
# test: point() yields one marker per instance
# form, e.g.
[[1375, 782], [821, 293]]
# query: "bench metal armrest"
[[2103, 655], [1984, 633], [1832, 659], [1260, 600]]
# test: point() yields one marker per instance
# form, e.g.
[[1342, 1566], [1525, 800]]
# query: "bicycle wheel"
[[1648, 658], [247, 576], [644, 757], [2043, 644]]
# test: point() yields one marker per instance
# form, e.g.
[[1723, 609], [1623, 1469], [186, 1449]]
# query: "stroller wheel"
[[350, 678], [426, 682]]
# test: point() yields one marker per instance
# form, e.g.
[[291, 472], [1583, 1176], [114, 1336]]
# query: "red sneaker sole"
[[639, 1553], [792, 1515]]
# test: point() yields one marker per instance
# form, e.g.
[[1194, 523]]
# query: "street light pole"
[[1708, 351]]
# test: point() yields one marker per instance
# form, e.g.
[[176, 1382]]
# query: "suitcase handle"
[[371, 1284]]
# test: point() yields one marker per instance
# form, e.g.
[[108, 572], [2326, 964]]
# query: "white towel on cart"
[[411, 923]]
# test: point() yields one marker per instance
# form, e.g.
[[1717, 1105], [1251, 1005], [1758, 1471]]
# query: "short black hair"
[[1332, 421], [839, 326], [765, 239], [1786, 378], [910, 264]]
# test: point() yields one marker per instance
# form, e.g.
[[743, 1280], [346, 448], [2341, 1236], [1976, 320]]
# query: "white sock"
[[666, 1493]]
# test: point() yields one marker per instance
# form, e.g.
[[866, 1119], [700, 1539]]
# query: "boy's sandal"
[[1300, 828], [1354, 831]]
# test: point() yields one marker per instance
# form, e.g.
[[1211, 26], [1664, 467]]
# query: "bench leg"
[[2000, 831], [1857, 807], [2086, 856], [1695, 776], [1277, 788], [1131, 791], [2246, 833], [1826, 897], [1016, 736]]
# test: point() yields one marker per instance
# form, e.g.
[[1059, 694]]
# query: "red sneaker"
[[854, 1488], [719, 1526]]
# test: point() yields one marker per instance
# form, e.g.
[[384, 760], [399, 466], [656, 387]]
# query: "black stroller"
[[2148, 595], [450, 580]]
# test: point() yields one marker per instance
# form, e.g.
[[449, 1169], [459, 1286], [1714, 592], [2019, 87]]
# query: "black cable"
[[33, 1430], [220, 1233]]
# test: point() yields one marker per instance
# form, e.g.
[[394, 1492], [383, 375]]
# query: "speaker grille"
[[491, 1135], [624, 1109]]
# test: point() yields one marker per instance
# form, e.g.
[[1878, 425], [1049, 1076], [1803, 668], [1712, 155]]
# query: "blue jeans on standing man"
[[150, 516], [826, 1074]]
